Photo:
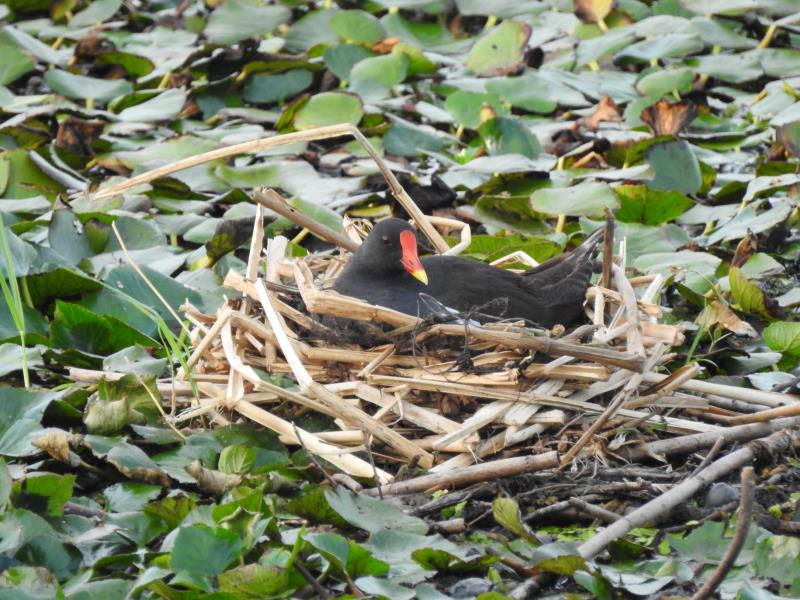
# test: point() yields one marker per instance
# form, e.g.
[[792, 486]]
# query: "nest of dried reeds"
[[446, 395]]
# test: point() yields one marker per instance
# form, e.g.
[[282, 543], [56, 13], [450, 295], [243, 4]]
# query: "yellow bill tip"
[[421, 275]]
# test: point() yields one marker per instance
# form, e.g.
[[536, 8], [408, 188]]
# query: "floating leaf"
[[788, 135], [374, 77], [747, 295], [266, 89], [499, 51], [14, 65], [508, 136], [466, 107], [79, 86], [163, 107], [237, 20], [676, 167], [640, 204], [329, 108], [585, 199], [341, 59], [96, 12], [357, 26], [203, 551]]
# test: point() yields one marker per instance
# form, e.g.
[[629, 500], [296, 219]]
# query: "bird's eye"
[[385, 239]]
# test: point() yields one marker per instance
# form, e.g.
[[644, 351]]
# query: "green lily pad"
[[674, 45], [78, 328], [237, 20], [341, 59], [329, 108], [502, 135], [640, 204], [203, 551], [96, 12], [658, 83], [585, 199], [266, 89], [466, 107], [499, 51], [373, 78], [14, 65], [163, 107], [79, 86], [676, 167], [357, 26]]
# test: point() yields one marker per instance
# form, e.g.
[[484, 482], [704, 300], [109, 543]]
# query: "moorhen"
[[386, 270]]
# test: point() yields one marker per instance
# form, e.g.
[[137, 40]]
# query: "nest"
[[464, 401], [402, 391]]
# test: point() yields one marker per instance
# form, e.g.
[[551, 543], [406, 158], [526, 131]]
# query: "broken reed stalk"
[[687, 444], [777, 443], [456, 478], [311, 135], [275, 202]]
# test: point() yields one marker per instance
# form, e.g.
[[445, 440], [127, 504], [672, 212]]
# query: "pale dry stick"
[[274, 201], [594, 511], [635, 343], [776, 444], [223, 316], [674, 381], [710, 455], [455, 478], [672, 423], [320, 133], [147, 281], [351, 413], [790, 410], [771, 399], [376, 362], [418, 415], [613, 296], [465, 236], [612, 409], [695, 442], [498, 442], [746, 499]]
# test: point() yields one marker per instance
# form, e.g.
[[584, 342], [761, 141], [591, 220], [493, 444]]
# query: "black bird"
[[386, 270]]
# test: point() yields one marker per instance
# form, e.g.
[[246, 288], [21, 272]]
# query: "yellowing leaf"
[[748, 296], [719, 313]]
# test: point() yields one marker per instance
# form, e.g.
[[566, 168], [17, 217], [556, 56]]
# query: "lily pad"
[[237, 20], [80, 86], [585, 199], [500, 50], [329, 108], [677, 168], [357, 26]]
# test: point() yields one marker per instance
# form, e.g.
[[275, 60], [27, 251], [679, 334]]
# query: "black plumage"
[[546, 295]]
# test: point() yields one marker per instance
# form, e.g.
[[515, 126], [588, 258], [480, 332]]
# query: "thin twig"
[[710, 456]]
